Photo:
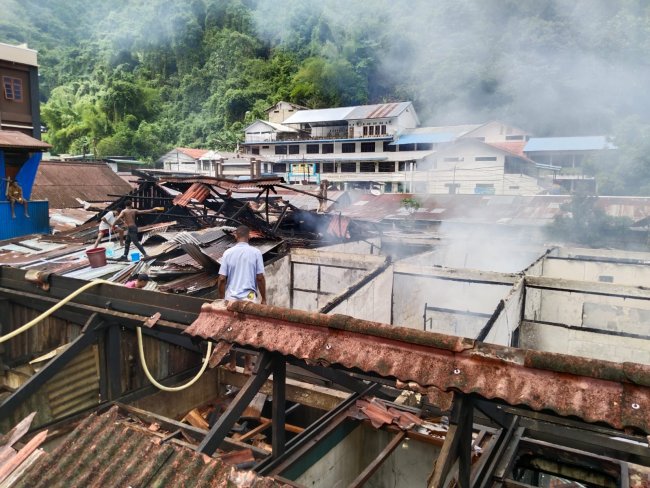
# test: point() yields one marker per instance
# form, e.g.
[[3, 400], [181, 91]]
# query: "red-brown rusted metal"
[[438, 364]]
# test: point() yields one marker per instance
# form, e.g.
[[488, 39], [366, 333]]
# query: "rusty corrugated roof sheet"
[[62, 182], [193, 153], [105, 450], [198, 192], [484, 209], [438, 364], [15, 139]]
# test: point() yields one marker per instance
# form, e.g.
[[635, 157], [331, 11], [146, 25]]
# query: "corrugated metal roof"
[[586, 143], [378, 111], [192, 153], [319, 115], [424, 138], [487, 209], [438, 364], [272, 125], [61, 183], [514, 147], [15, 139], [197, 192], [107, 450]]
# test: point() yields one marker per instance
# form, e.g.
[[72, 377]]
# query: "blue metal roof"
[[585, 143], [429, 138]]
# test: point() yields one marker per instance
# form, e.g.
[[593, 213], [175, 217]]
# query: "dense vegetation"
[[126, 77]]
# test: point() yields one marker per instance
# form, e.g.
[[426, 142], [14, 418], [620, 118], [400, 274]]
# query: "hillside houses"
[[384, 148]]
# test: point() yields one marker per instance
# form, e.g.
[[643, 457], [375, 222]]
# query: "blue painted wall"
[[37, 223]]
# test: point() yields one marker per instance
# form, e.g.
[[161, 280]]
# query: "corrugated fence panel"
[[37, 223]]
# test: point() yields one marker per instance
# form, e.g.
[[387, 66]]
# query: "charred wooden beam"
[[224, 424]]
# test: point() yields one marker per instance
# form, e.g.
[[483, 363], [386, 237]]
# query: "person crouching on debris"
[[128, 216], [108, 224], [241, 275], [15, 195], [140, 282]]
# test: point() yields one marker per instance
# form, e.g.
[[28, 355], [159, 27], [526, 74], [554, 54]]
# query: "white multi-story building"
[[381, 147]]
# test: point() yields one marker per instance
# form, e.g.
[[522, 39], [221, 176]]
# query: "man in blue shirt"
[[241, 275]]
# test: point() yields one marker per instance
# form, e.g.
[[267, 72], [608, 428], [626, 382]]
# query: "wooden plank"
[[254, 409], [257, 430], [194, 418], [22, 455]]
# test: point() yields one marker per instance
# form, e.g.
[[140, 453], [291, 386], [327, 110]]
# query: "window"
[[348, 147], [13, 88], [265, 147], [312, 149], [328, 168], [407, 147], [403, 165], [606, 279], [386, 166], [485, 158], [365, 130], [294, 149], [367, 147], [388, 147], [371, 130], [452, 160], [484, 189], [279, 167], [255, 150], [280, 149], [367, 167], [515, 138], [424, 146], [316, 167], [383, 130], [348, 167], [513, 187], [327, 149]]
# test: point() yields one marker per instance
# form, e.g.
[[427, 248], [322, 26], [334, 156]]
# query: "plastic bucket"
[[135, 257], [96, 257]]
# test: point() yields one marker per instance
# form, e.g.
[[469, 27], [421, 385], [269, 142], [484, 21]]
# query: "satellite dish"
[[375, 192]]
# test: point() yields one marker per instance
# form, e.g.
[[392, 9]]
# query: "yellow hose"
[[85, 287], [50, 311], [170, 388]]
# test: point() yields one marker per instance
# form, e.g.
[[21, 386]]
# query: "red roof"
[[15, 139], [193, 153], [514, 147]]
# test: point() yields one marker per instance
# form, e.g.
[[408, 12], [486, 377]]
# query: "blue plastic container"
[[135, 257]]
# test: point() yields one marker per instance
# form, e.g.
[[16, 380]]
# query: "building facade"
[[19, 103], [382, 148]]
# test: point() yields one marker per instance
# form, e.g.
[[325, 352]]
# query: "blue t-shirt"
[[241, 264]]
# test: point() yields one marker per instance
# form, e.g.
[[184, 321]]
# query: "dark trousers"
[[132, 236]]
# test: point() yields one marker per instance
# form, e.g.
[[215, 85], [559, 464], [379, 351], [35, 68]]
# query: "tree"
[[581, 221]]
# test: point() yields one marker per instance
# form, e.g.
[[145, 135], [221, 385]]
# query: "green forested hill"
[[138, 77]]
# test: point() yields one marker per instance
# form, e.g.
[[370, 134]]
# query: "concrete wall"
[[372, 301], [509, 318], [608, 313], [546, 337], [452, 290], [315, 277], [366, 247], [594, 320], [409, 465], [618, 273], [278, 276]]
